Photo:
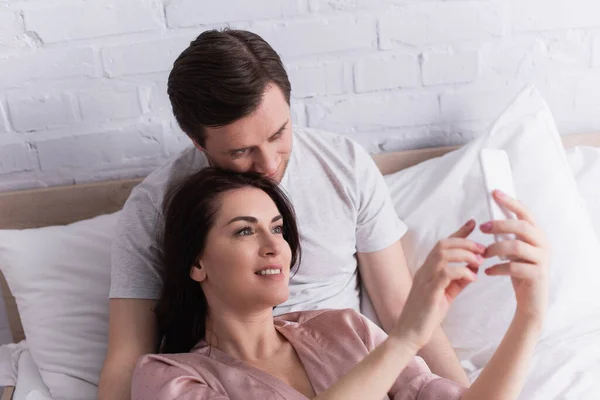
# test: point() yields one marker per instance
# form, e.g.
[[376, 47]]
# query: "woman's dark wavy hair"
[[190, 209]]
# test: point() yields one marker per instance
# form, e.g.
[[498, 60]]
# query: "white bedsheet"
[[18, 369], [30, 385], [565, 366], [9, 362]]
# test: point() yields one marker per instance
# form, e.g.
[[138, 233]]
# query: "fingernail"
[[470, 223], [486, 227], [500, 193], [481, 247], [479, 258]]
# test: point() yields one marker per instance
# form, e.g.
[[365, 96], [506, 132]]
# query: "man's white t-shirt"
[[341, 202]]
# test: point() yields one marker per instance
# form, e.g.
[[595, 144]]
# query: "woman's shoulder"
[[160, 376], [326, 319], [302, 317], [188, 362]]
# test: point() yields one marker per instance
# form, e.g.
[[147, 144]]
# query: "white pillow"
[[60, 278], [436, 197], [585, 164]]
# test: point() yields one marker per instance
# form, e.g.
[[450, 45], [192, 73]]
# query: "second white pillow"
[[585, 164], [436, 197]]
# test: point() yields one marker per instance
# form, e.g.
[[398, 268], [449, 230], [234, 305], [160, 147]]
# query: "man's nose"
[[266, 164]]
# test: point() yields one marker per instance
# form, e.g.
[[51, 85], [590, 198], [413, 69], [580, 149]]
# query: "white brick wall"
[[319, 79], [40, 111], [20, 69], [143, 57], [374, 111], [557, 14], [421, 23], [16, 157], [469, 105], [318, 35], [387, 72], [185, 13], [144, 141], [596, 51], [117, 103], [12, 30], [3, 119], [62, 21], [443, 68], [83, 82]]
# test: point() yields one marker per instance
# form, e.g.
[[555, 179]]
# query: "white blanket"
[[565, 366]]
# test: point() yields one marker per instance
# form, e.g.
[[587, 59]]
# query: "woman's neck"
[[251, 337]]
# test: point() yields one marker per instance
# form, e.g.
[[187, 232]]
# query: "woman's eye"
[[244, 232], [278, 229]]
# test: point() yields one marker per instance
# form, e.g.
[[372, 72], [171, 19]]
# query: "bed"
[[64, 205]]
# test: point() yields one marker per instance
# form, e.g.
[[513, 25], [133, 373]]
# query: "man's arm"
[[132, 333], [387, 280]]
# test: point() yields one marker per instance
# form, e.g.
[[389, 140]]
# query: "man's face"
[[260, 142]]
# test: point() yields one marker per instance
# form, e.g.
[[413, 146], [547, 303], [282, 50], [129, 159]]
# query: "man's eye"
[[239, 153]]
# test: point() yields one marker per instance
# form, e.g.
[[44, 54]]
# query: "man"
[[231, 95]]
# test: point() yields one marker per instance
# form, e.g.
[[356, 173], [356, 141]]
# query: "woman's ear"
[[198, 272]]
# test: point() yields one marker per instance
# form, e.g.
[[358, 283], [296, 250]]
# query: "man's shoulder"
[[180, 165], [324, 139], [154, 187], [337, 154], [334, 150]]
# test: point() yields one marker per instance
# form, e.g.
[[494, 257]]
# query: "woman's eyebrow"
[[243, 218], [251, 219]]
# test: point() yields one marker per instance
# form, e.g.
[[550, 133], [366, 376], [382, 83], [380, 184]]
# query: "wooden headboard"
[[63, 205]]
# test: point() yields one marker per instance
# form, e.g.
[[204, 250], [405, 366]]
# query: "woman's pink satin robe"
[[328, 342]]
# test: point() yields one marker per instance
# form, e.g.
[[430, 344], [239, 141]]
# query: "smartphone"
[[495, 167]]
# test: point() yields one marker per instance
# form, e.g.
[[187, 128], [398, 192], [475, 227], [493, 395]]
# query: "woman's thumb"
[[464, 230]]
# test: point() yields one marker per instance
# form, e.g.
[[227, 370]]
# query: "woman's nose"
[[269, 246]]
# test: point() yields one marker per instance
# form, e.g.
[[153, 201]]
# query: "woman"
[[230, 242]]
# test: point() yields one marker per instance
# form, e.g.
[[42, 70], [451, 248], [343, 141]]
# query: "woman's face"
[[246, 261]]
